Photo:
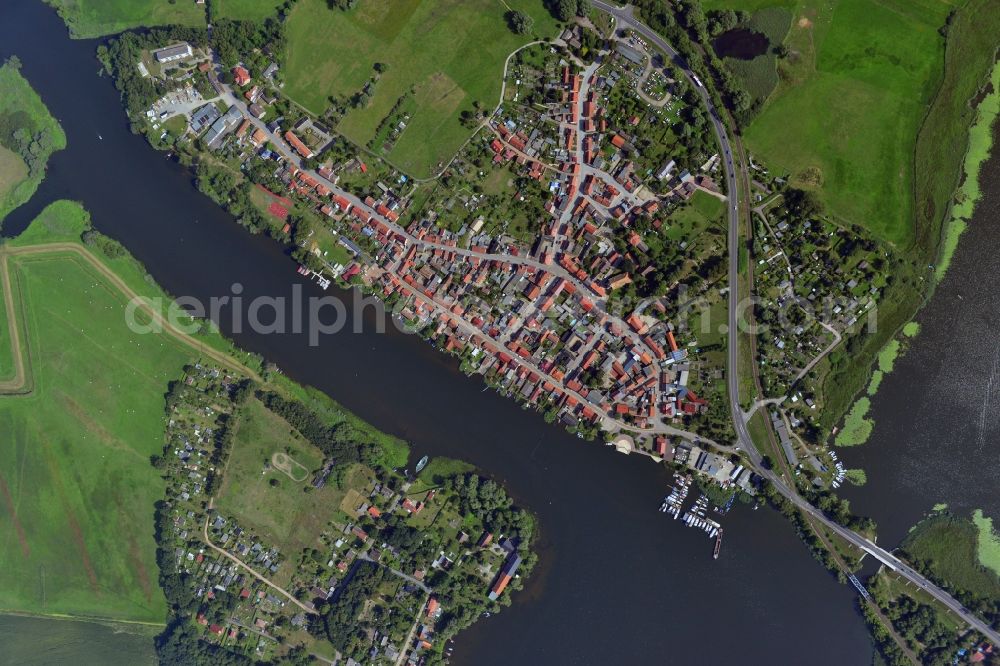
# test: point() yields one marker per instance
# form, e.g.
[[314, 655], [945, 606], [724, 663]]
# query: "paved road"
[[610, 424], [623, 16]]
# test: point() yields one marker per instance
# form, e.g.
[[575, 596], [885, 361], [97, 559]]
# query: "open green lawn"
[[76, 485], [284, 514], [246, 10], [446, 53], [22, 108], [854, 92], [688, 222], [950, 545], [94, 18]]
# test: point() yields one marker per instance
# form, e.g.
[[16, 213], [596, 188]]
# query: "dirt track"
[[19, 382]]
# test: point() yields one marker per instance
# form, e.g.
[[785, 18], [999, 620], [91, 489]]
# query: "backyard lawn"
[[440, 57]]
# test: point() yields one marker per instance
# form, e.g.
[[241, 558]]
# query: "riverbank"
[[857, 426], [397, 382], [40, 259], [28, 136], [941, 148], [988, 546], [968, 195]]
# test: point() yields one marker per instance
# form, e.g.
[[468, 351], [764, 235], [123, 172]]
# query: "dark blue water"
[[937, 414], [618, 583]]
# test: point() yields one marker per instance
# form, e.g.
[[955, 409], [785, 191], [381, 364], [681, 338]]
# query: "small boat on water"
[[718, 544], [421, 464]]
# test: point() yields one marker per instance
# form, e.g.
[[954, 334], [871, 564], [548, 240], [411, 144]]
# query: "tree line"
[[338, 441]]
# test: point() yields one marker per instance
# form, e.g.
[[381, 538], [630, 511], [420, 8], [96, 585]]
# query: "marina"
[[697, 514], [406, 388], [672, 502]]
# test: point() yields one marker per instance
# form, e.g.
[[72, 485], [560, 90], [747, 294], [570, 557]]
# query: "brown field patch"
[[292, 468], [13, 171], [18, 528], [135, 562], [352, 500]]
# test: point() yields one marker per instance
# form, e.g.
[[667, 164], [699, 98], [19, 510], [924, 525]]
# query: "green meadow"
[[853, 95], [245, 10], [442, 55], [95, 18], [267, 499], [76, 485], [65, 221], [22, 109], [75, 478]]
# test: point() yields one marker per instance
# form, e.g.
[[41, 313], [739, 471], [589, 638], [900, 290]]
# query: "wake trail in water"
[[987, 399]]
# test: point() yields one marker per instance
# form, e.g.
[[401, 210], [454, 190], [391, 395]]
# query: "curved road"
[[623, 17]]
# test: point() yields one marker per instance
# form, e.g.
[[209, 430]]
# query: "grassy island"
[[28, 135]]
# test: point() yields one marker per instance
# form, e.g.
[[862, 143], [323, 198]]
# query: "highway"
[[624, 19]]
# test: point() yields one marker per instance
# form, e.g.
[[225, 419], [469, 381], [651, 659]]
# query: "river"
[[618, 582], [937, 414]]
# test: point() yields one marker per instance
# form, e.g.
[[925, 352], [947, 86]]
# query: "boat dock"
[[697, 514], [672, 502], [323, 282]]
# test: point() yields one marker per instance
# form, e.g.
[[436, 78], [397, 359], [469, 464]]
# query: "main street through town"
[[608, 423], [624, 19]]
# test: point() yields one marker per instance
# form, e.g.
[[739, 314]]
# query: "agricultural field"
[[76, 482], [26, 639], [439, 58], [25, 126], [77, 486], [95, 18], [853, 94]]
